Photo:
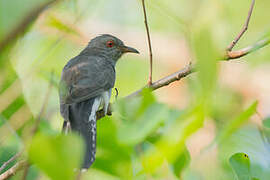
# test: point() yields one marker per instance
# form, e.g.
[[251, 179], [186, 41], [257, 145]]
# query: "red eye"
[[110, 44]]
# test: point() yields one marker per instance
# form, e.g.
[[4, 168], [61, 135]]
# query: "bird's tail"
[[83, 122], [66, 127]]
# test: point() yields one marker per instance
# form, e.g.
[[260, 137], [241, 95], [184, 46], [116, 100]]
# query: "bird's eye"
[[110, 44]]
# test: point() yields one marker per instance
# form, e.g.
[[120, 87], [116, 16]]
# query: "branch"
[[244, 29], [229, 55], [13, 170], [24, 164], [245, 51], [166, 80], [177, 76], [13, 158], [149, 44], [23, 25]]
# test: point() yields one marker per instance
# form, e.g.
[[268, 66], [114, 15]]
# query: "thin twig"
[[229, 55], [13, 170], [245, 51], [149, 44], [13, 158], [166, 80], [23, 25], [244, 29], [11, 37], [191, 68]]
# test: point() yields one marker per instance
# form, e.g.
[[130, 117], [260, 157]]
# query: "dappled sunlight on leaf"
[[59, 156]]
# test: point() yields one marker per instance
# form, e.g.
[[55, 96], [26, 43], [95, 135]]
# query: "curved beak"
[[126, 49]]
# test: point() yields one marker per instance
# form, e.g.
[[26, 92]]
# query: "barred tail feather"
[[65, 127], [82, 118]]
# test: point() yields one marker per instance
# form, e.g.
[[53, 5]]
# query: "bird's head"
[[110, 46]]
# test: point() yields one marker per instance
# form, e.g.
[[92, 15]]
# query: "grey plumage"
[[86, 84]]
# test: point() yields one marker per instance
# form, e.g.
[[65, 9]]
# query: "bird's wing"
[[84, 78]]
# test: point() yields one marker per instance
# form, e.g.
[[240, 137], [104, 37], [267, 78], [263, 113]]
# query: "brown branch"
[[229, 55], [149, 44], [13, 170], [190, 69], [23, 25], [166, 80], [245, 51], [244, 29], [13, 158]]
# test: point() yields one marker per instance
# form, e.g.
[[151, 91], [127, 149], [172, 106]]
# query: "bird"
[[85, 87]]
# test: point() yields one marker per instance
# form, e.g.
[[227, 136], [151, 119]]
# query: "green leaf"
[[133, 132], [112, 157], [206, 55], [172, 145], [13, 12], [57, 156], [139, 118], [181, 162], [266, 122], [61, 26], [238, 121], [147, 99], [241, 166]]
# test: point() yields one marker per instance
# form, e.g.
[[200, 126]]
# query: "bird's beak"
[[126, 49]]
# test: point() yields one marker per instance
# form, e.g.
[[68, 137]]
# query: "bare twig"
[[244, 29], [149, 44], [229, 55], [23, 25], [242, 52], [13, 170], [18, 166], [166, 80], [191, 68], [13, 158]]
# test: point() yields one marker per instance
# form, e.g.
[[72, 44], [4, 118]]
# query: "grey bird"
[[86, 84]]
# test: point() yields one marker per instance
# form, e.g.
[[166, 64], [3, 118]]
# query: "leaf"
[[172, 145], [61, 26], [112, 157], [206, 55], [181, 162], [57, 156], [147, 99], [16, 17], [266, 122], [241, 165], [13, 12], [136, 131], [140, 117], [238, 121]]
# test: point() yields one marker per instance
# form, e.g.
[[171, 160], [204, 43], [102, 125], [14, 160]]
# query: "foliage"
[[241, 164], [57, 156], [155, 135]]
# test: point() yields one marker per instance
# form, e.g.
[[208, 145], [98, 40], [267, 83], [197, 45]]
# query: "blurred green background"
[[211, 125]]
